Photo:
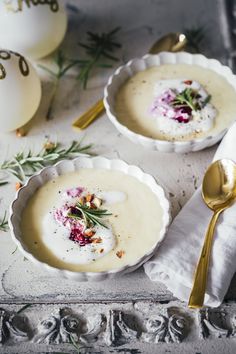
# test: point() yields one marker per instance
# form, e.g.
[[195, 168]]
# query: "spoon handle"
[[88, 117], [197, 295]]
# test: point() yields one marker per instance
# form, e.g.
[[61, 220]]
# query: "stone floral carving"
[[58, 329], [96, 327], [12, 326], [233, 323], [212, 323], [165, 329], [118, 330]]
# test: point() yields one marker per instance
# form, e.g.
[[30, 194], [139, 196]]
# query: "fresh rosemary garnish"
[[207, 100], [4, 223], [98, 46], [23, 165], [186, 98], [91, 216]]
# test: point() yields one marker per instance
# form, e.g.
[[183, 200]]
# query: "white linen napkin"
[[176, 259]]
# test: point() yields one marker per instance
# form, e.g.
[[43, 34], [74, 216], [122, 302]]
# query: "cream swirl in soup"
[[56, 222]]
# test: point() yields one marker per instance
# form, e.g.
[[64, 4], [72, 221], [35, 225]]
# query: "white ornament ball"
[[20, 90], [34, 28]]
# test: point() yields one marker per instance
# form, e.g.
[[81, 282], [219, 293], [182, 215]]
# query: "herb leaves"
[[97, 47], [4, 223], [91, 216], [189, 98], [24, 164], [186, 98]]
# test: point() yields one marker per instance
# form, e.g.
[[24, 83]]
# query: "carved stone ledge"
[[119, 329], [115, 325], [57, 329], [13, 326], [213, 323], [169, 329]]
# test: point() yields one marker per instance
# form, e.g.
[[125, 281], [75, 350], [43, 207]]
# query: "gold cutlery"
[[219, 193], [172, 42]]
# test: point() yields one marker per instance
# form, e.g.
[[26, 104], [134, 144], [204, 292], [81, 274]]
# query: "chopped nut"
[[89, 233], [101, 250], [120, 253], [49, 146], [18, 186], [188, 82], [97, 202], [82, 200], [97, 240], [20, 132], [89, 197]]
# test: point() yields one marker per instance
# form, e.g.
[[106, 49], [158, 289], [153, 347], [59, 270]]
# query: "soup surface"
[[131, 230], [214, 108]]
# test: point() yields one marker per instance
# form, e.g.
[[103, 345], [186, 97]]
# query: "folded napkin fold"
[[176, 259]]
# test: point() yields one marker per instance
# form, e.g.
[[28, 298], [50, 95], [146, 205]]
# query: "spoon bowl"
[[219, 184], [171, 42], [219, 193]]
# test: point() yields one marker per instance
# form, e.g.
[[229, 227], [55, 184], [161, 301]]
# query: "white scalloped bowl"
[[66, 166], [123, 73]]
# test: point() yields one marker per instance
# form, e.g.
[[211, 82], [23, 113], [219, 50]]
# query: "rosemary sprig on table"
[[98, 46], [62, 66], [4, 223], [3, 183], [23, 165], [91, 216]]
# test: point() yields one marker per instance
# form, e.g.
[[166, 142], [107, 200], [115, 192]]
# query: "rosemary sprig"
[[90, 216], [186, 98], [23, 165], [3, 183], [98, 46], [24, 308], [206, 101], [4, 223], [74, 344], [62, 66]]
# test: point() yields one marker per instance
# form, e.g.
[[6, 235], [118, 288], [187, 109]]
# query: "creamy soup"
[[55, 232], [176, 102]]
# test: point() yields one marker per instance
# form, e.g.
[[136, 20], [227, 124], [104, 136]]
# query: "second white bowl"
[[123, 73]]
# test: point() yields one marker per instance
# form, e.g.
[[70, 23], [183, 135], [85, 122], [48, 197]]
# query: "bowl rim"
[[139, 138], [161, 195]]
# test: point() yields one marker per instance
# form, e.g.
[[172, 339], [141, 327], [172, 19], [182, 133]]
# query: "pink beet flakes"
[[76, 226], [162, 106], [75, 192], [77, 236]]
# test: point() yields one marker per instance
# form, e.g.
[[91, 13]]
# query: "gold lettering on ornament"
[[18, 5], [6, 55]]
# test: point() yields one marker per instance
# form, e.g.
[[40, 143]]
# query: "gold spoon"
[[172, 42], [219, 193]]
